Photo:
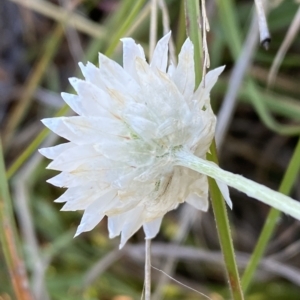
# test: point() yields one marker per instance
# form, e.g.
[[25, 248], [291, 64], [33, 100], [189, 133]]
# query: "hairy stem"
[[247, 186]]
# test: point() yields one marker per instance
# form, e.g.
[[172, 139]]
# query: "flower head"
[[119, 159]]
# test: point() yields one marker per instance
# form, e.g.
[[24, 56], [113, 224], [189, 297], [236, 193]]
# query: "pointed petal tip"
[[160, 55], [54, 124], [49, 122], [74, 80], [42, 151], [229, 203], [55, 181], [67, 97], [49, 167], [121, 246], [165, 39], [205, 208], [151, 228], [46, 152], [168, 35], [46, 121], [112, 236], [222, 68], [223, 187], [81, 65], [214, 74], [59, 201], [80, 229], [217, 71], [76, 234], [66, 208], [125, 39], [188, 41], [102, 58]]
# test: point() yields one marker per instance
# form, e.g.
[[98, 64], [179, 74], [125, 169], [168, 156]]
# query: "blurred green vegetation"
[[38, 56]]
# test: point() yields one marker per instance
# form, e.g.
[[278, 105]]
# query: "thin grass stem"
[[223, 228], [153, 28], [147, 269], [272, 219], [10, 241], [34, 79], [192, 19], [192, 11]]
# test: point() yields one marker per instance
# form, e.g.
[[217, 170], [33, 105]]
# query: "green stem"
[[192, 19], [273, 216], [233, 36], [205, 167], [251, 188], [192, 11], [223, 229]]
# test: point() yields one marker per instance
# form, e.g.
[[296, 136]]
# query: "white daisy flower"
[[127, 152], [119, 161]]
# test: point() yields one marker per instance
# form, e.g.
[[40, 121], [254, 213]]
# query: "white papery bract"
[[119, 159]]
